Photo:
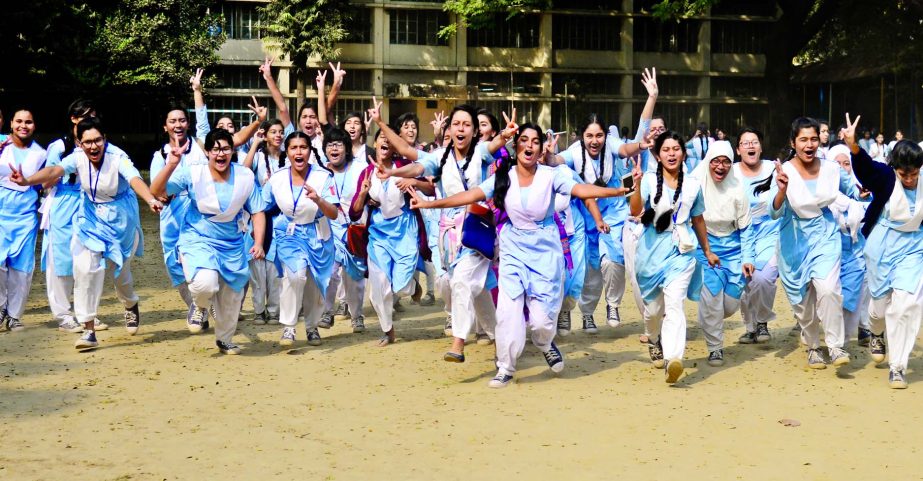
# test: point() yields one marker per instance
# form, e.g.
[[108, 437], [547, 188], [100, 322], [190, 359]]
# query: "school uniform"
[[265, 281], [349, 271]]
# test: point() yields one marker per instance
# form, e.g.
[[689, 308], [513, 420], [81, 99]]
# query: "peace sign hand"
[[511, 126], [849, 132], [177, 151], [649, 79], [257, 109], [375, 112], [647, 141], [266, 69], [416, 202], [550, 144], [636, 173], [196, 80], [338, 73], [321, 79], [16, 176], [781, 177]]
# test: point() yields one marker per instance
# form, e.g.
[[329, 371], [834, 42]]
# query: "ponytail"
[[445, 156]]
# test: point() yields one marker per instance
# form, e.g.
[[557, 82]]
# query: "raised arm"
[[399, 145], [338, 75], [254, 147], [202, 128], [319, 82], [505, 135], [649, 79], [244, 135], [281, 106], [361, 196], [467, 197], [159, 184]]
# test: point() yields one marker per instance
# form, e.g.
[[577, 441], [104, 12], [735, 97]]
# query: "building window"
[[506, 83], [241, 20], [360, 27], [732, 117], [344, 107], [235, 108], [738, 87], [738, 37], [357, 81], [652, 35], [679, 117], [240, 77], [417, 27], [586, 84], [525, 111], [673, 86], [567, 115], [520, 32], [587, 32]]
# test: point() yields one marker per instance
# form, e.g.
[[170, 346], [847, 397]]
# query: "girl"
[[894, 250], [19, 155], [468, 273], [309, 120], [394, 242], [809, 242], [355, 127], [759, 295], [211, 241], [531, 258], [666, 268], [108, 230], [301, 236], [727, 221]]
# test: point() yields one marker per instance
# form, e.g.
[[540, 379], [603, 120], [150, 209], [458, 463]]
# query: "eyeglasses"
[[221, 150], [336, 145], [90, 143], [752, 143], [716, 162]]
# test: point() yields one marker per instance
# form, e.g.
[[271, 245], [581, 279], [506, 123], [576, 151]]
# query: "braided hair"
[[78, 109], [662, 222], [467, 109], [502, 176], [298, 134], [590, 120]]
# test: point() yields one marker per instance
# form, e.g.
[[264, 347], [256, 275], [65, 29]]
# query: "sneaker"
[[796, 330], [87, 340], [838, 356], [13, 324], [589, 326], [313, 337], [100, 325], [656, 352], [762, 333], [132, 319], [864, 337], [288, 336], [554, 358], [500, 380], [674, 370], [228, 348], [70, 325], [428, 300], [877, 347], [816, 359], [612, 316], [747, 338], [358, 324], [196, 319], [398, 307], [326, 320], [212, 315], [273, 319], [563, 323], [716, 358], [340, 310], [896, 380], [259, 318], [483, 339], [447, 330], [417, 292]]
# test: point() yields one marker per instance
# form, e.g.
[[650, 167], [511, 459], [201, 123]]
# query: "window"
[[587, 84], [357, 81], [241, 77], [500, 82], [241, 20], [417, 27], [672, 86], [235, 108], [652, 35], [520, 32], [738, 37], [739, 87], [526, 111], [360, 26], [679, 117], [344, 106], [732, 117], [587, 32], [576, 113]]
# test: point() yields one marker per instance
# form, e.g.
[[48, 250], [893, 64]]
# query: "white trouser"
[[430, 271], [853, 320], [759, 295], [382, 298], [444, 288], [14, 290], [184, 294], [59, 288], [822, 306], [300, 294], [265, 285], [353, 290], [713, 310], [665, 316], [902, 312], [630, 235], [485, 313], [209, 289], [511, 329], [89, 274], [610, 277], [469, 298]]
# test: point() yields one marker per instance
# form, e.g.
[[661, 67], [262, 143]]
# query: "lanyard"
[[296, 198], [342, 185], [94, 187]]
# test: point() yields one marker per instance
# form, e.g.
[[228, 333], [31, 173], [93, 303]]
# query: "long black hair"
[[449, 148], [587, 122], [362, 132], [298, 134], [491, 119], [661, 223], [502, 175], [265, 126]]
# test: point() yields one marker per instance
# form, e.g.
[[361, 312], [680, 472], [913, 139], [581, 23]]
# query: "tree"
[[303, 28]]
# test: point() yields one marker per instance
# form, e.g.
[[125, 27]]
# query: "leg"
[[903, 324], [614, 282], [486, 313], [227, 309], [381, 297], [511, 332], [331, 294], [258, 285], [592, 290], [467, 283], [711, 318], [203, 288], [355, 293], [58, 288], [759, 296], [292, 296], [876, 313], [830, 308], [273, 289], [89, 275], [673, 330], [805, 314], [313, 303], [184, 293]]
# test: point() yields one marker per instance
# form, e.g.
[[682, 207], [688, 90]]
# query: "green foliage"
[[301, 28], [480, 13], [676, 9]]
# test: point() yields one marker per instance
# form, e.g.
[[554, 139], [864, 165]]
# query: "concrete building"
[[554, 66]]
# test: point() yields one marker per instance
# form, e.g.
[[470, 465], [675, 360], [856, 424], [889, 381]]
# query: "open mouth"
[[809, 153], [528, 154], [298, 161]]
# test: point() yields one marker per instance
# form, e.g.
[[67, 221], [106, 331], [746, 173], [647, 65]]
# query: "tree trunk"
[[299, 90]]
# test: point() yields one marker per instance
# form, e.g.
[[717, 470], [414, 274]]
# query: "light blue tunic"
[[302, 249], [18, 214], [659, 261], [532, 260], [344, 189], [108, 226], [205, 244], [808, 248], [734, 250], [894, 259], [852, 270], [573, 286], [62, 215], [394, 243], [765, 228]]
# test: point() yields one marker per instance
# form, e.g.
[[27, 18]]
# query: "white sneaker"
[[99, 325], [71, 326]]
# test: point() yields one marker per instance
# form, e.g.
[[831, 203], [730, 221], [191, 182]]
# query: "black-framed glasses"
[[86, 144]]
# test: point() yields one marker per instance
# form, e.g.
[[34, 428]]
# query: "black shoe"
[[864, 337], [132, 319], [656, 352], [877, 347], [313, 337], [762, 333], [613, 319], [564, 323], [589, 326], [747, 338], [554, 359], [228, 348], [716, 358]]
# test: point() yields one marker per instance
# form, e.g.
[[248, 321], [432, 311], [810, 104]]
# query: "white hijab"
[[727, 207]]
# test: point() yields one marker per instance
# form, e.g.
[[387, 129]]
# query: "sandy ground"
[[165, 405]]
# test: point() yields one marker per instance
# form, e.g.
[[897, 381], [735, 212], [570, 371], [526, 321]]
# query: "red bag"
[[357, 240]]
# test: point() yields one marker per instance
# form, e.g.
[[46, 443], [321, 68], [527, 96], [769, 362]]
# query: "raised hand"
[[258, 109], [511, 126], [415, 201], [374, 113], [321, 79], [16, 176], [367, 182], [551, 142], [849, 133], [781, 177], [367, 121], [266, 69], [196, 80], [636, 173], [649, 80], [438, 122], [338, 73], [177, 151]]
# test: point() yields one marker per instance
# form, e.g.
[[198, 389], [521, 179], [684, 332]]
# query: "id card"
[[290, 230]]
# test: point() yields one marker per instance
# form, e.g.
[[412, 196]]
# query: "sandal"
[[450, 356], [383, 341]]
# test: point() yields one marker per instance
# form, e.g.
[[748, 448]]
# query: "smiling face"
[[307, 120], [824, 134], [227, 124], [176, 125], [353, 127], [528, 148], [274, 136], [382, 147], [594, 137], [898, 136], [880, 138], [805, 144], [485, 130], [219, 156], [719, 168], [908, 176], [298, 153], [671, 155], [461, 129], [409, 132], [23, 126], [749, 149], [336, 154], [93, 144]]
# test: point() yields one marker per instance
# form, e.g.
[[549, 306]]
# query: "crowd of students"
[[512, 232]]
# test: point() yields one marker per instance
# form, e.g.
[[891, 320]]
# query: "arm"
[[142, 190], [277, 98], [328, 209], [875, 176], [397, 143], [159, 184], [241, 138], [593, 207], [467, 197], [44, 176], [360, 197], [588, 191], [698, 225], [319, 83], [649, 79], [259, 231], [338, 75], [420, 184], [248, 161], [505, 135], [202, 128]]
